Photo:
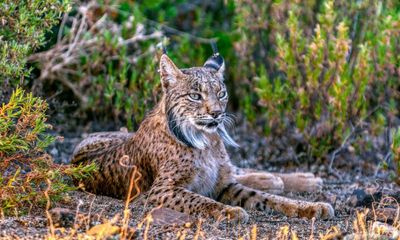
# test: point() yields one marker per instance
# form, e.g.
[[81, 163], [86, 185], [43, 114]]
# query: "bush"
[[23, 25], [27, 173], [331, 86], [25, 168]]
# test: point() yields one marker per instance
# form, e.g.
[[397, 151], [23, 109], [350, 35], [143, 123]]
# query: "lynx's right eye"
[[195, 96]]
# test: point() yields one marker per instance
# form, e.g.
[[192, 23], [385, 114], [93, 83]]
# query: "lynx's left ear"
[[217, 63]]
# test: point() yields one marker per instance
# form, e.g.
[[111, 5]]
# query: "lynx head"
[[195, 101]]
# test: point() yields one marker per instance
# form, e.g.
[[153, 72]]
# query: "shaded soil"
[[257, 152]]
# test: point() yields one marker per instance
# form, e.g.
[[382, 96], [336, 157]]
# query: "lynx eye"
[[195, 96], [222, 94]]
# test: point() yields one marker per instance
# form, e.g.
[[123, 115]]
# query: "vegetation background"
[[318, 78]]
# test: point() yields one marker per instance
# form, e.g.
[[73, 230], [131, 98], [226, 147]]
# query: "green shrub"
[[330, 88], [25, 168], [23, 25], [26, 171]]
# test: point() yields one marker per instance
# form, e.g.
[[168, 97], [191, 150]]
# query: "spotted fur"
[[179, 149]]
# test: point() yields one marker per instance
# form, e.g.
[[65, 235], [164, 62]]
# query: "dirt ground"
[[268, 224], [341, 190]]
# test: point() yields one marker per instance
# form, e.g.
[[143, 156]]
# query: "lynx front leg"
[[238, 195], [183, 200]]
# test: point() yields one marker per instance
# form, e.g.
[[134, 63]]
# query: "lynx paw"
[[319, 210], [235, 214], [310, 184], [327, 211], [302, 182], [262, 181]]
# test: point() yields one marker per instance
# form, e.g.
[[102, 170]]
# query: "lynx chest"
[[205, 173]]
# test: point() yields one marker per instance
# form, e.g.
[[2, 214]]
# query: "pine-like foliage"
[[25, 168], [23, 25]]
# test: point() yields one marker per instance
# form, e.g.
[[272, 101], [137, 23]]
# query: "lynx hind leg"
[[98, 142], [292, 182], [300, 182], [262, 181]]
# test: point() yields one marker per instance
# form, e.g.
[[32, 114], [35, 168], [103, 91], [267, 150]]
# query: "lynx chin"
[[179, 150]]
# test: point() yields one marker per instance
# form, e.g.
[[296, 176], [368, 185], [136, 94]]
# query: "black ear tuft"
[[216, 61], [214, 47]]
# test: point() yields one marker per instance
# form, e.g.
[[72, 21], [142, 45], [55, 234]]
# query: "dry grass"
[[363, 225], [92, 220], [119, 228]]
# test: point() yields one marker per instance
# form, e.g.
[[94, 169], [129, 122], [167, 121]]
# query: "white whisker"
[[195, 135]]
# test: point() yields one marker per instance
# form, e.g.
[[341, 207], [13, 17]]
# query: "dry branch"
[[86, 38]]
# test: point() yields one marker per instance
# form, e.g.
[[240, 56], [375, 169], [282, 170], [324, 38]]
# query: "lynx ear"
[[217, 63], [168, 71]]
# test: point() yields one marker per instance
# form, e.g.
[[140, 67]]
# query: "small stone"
[[366, 197], [54, 152], [62, 217], [363, 198], [166, 216], [387, 214]]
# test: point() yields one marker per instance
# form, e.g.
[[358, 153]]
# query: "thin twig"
[[154, 35], [345, 140], [170, 30], [78, 34], [60, 32]]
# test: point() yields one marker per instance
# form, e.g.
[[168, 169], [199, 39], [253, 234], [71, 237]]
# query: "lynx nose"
[[216, 114]]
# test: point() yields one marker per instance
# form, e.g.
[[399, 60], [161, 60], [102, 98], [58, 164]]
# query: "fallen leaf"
[[104, 230]]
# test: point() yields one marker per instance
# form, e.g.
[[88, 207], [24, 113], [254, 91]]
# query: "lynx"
[[179, 150]]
